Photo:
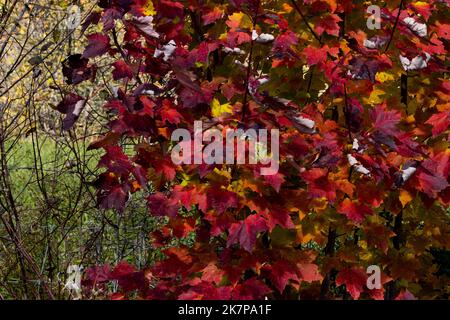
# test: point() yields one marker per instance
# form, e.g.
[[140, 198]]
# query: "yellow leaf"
[[303, 237], [363, 244], [218, 109], [286, 8], [410, 119], [384, 76], [375, 97], [365, 255], [421, 4], [148, 9], [332, 4], [186, 179], [239, 20], [405, 197], [219, 176]]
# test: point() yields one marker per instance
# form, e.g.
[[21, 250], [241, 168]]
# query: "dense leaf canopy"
[[364, 160]]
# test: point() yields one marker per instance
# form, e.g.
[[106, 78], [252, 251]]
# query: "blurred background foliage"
[[48, 214]]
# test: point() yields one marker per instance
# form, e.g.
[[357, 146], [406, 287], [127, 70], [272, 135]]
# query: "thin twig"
[[249, 67], [395, 26], [297, 8]]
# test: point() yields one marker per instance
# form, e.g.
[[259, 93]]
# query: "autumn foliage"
[[364, 160]]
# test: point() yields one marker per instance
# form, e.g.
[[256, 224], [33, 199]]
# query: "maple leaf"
[[245, 232], [378, 236], [111, 138], [162, 237], [178, 262], [237, 38], [239, 20], [212, 274], [433, 177], [218, 109], [362, 68], [128, 277], [206, 291], [405, 295], [327, 23], [109, 18], [148, 8], [385, 120], [145, 25], [170, 114], [190, 196], [219, 223], [165, 167], [275, 180], [319, 184], [278, 216], [212, 15], [354, 211], [123, 268], [182, 227], [354, 279], [98, 45], [315, 55], [332, 4], [309, 272], [221, 199], [160, 205], [122, 70], [76, 69], [114, 198], [440, 122], [115, 160], [96, 275], [285, 41], [71, 106], [280, 274], [251, 289], [443, 30]]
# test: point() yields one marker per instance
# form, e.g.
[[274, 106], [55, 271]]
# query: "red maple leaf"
[[98, 45], [160, 205], [317, 55], [318, 184], [212, 16], [355, 280], [405, 295], [122, 70], [327, 23], [385, 120], [251, 289], [281, 273], [245, 232], [440, 122], [354, 211], [221, 199], [434, 173]]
